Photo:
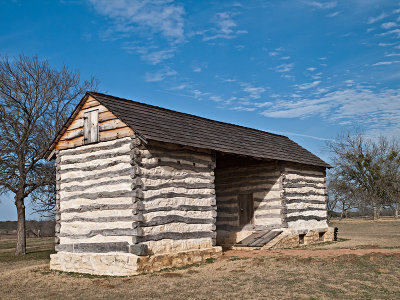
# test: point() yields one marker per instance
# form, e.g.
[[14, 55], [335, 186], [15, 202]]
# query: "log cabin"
[[141, 188]]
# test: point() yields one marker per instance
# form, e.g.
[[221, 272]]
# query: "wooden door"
[[246, 209], [91, 127]]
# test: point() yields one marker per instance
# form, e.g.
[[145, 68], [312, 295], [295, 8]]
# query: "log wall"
[[305, 195], [263, 181], [178, 197], [95, 198]]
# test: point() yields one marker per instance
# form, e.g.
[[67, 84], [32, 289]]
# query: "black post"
[[335, 232]]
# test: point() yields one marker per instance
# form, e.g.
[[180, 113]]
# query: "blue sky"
[[305, 69]]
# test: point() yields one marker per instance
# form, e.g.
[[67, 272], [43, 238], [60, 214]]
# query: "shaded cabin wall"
[[263, 181], [305, 197], [95, 199], [178, 197]]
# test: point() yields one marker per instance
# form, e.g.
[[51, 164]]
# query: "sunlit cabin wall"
[[179, 207], [305, 196]]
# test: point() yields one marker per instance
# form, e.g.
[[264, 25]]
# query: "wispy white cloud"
[[389, 25], [226, 28], [215, 98], [159, 75], [253, 92], [334, 14], [311, 69], [283, 68], [151, 54], [243, 108], [321, 5], [392, 54], [395, 32], [306, 86], [143, 17], [386, 44], [376, 110], [382, 63], [372, 20]]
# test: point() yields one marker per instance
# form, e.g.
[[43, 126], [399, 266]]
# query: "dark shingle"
[[164, 125]]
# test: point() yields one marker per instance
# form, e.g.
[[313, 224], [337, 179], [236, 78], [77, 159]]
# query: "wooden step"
[[259, 238], [250, 239], [265, 239]]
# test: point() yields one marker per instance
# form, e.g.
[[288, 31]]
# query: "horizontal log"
[[177, 236], [303, 180], [104, 136], [94, 247], [303, 185], [132, 218], [95, 157], [109, 174], [99, 195], [162, 220], [304, 174], [177, 184], [176, 149], [180, 208], [93, 167], [97, 207], [298, 210], [106, 232], [299, 194], [290, 201], [175, 195], [305, 170], [99, 147], [177, 176], [305, 218], [175, 165], [172, 156], [77, 188]]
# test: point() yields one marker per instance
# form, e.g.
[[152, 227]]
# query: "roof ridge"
[[178, 112]]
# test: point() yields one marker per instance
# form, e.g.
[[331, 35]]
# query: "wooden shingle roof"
[[164, 125]]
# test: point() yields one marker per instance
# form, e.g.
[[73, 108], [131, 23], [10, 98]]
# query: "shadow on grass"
[[10, 257]]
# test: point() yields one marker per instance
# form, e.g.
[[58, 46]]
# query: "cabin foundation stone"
[[127, 264]]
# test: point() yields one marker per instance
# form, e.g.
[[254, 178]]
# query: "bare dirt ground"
[[352, 269]]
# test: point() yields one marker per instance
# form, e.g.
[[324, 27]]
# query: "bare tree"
[[35, 101], [363, 170], [340, 196]]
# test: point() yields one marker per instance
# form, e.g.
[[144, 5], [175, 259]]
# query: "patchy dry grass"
[[372, 276], [362, 234]]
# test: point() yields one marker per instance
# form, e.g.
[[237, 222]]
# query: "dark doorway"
[[246, 209]]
